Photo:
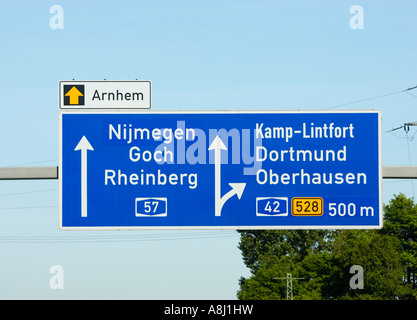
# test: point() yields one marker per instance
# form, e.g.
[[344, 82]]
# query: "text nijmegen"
[[130, 133]]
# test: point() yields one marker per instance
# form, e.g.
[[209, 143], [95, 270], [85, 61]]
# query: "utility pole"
[[289, 285]]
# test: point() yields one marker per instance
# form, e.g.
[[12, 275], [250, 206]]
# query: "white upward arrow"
[[237, 188], [83, 145]]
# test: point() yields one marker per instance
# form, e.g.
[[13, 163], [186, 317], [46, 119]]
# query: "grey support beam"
[[23, 173], [399, 172]]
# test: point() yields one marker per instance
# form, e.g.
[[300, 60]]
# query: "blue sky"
[[199, 55]]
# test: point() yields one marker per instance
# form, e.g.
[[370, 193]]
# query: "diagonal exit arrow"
[[83, 145], [237, 188]]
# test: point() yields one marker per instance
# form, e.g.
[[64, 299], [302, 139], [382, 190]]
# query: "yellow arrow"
[[74, 94]]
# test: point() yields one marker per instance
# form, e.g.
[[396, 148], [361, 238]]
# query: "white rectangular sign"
[[105, 94]]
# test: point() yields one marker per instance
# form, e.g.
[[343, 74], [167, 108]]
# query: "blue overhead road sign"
[[220, 170]]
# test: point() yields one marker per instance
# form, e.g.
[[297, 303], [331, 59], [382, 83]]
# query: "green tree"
[[272, 254], [295, 244], [400, 221], [262, 285], [377, 254]]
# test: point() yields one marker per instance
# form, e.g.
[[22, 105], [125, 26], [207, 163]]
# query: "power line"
[[411, 94], [27, 192], [398, 181], [371, 98], [30, 207], [406, 127], [394, 129], [119, 238], [30, 163]]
